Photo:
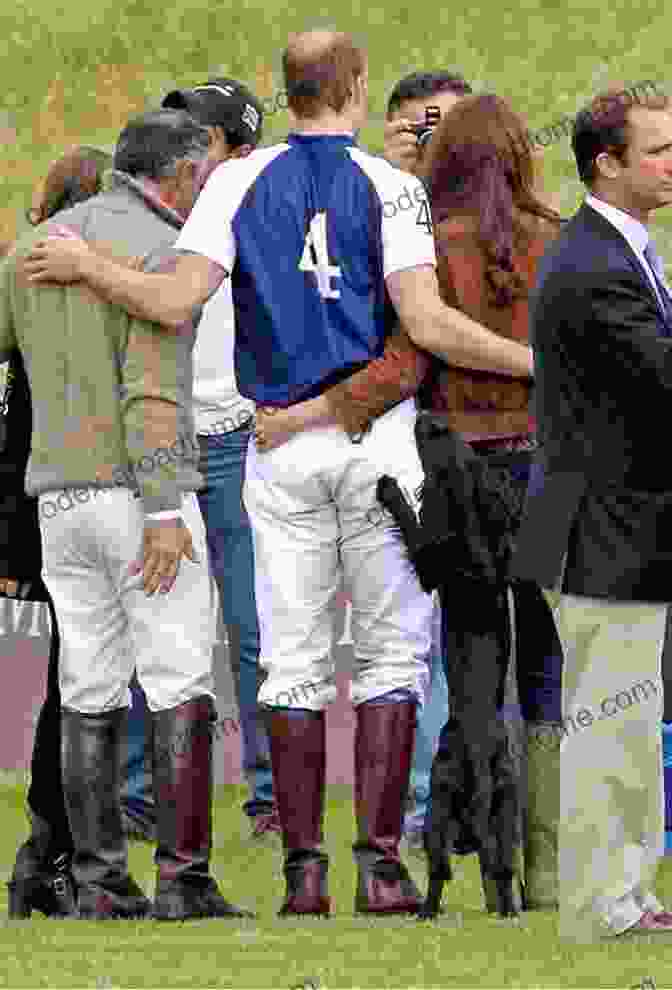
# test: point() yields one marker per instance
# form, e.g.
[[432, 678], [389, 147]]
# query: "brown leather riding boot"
[[182, 777], [298, 758], [383, 754]]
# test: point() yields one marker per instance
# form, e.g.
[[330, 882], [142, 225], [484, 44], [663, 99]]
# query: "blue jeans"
[[431, 719], [137, 797], [231, 551]]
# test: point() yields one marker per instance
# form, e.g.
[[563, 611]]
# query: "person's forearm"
[[152, 431], [460, 341], [316, 412], [155, 297], [306, 415], [109, 250], [156, 415], [273, 427], [381, 385]]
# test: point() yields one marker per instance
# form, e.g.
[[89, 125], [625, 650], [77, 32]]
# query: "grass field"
[[73, 73], [466, 948]]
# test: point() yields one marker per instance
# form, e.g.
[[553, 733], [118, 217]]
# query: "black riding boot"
[[42, 879], [91, 771]]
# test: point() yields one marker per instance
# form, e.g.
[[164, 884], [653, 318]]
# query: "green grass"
[[73, 72], [466, 948]]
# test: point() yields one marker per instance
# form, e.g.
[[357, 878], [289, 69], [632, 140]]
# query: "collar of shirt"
[[150, 192], [307, 138], [633, 231]]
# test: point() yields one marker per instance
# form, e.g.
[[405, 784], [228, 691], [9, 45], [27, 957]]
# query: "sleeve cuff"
[[161, 516]]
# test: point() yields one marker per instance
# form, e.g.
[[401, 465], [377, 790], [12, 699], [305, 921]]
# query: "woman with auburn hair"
[[41, 879], [491, 227], [73, 178]]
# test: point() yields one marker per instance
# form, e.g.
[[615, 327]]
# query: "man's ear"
[[359, 91], [608, 165]]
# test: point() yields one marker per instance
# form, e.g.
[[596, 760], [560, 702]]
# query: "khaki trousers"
[[611, 831]]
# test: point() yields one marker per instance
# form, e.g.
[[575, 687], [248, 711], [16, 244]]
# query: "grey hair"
[[152, 144]]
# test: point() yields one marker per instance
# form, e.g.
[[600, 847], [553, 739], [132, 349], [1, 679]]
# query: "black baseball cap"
[[224, 103]]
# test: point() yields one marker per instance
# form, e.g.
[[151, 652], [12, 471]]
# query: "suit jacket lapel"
[[597, 222], [636, 264]]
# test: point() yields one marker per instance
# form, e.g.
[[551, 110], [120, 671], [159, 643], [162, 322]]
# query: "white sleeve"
[[209, 228], [408, 234], [406, 228]]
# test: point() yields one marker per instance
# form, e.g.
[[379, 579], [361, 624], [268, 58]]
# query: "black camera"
[[424, 131]]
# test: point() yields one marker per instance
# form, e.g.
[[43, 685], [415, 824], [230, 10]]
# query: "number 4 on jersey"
[[424, 217], [315, 257]]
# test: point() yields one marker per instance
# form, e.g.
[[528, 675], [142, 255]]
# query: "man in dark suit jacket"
[[597, 530]]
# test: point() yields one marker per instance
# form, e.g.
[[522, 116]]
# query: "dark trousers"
[[45, 796], [666, 665], [537, 646]]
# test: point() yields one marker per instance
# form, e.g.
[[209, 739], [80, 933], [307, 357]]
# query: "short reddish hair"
[[319, 69]]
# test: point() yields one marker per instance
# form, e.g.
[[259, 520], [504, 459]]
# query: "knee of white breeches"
[[379, 689], [161, 699], [309, 695], [87, 703], [396, 697]]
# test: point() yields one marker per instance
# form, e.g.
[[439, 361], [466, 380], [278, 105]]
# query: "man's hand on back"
[[57, 258], [165, 542], [400, 146], [168, 299]]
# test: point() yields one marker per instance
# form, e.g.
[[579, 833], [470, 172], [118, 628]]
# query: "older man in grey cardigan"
[[114, 463]]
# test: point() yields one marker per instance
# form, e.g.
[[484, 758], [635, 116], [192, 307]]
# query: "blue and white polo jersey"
[[309, 230]]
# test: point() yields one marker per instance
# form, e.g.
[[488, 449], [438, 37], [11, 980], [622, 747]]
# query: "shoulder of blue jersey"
[[388, 180], [233, 178], [234, 169]]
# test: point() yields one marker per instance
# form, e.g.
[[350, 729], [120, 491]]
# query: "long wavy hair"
[[480, 162]]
